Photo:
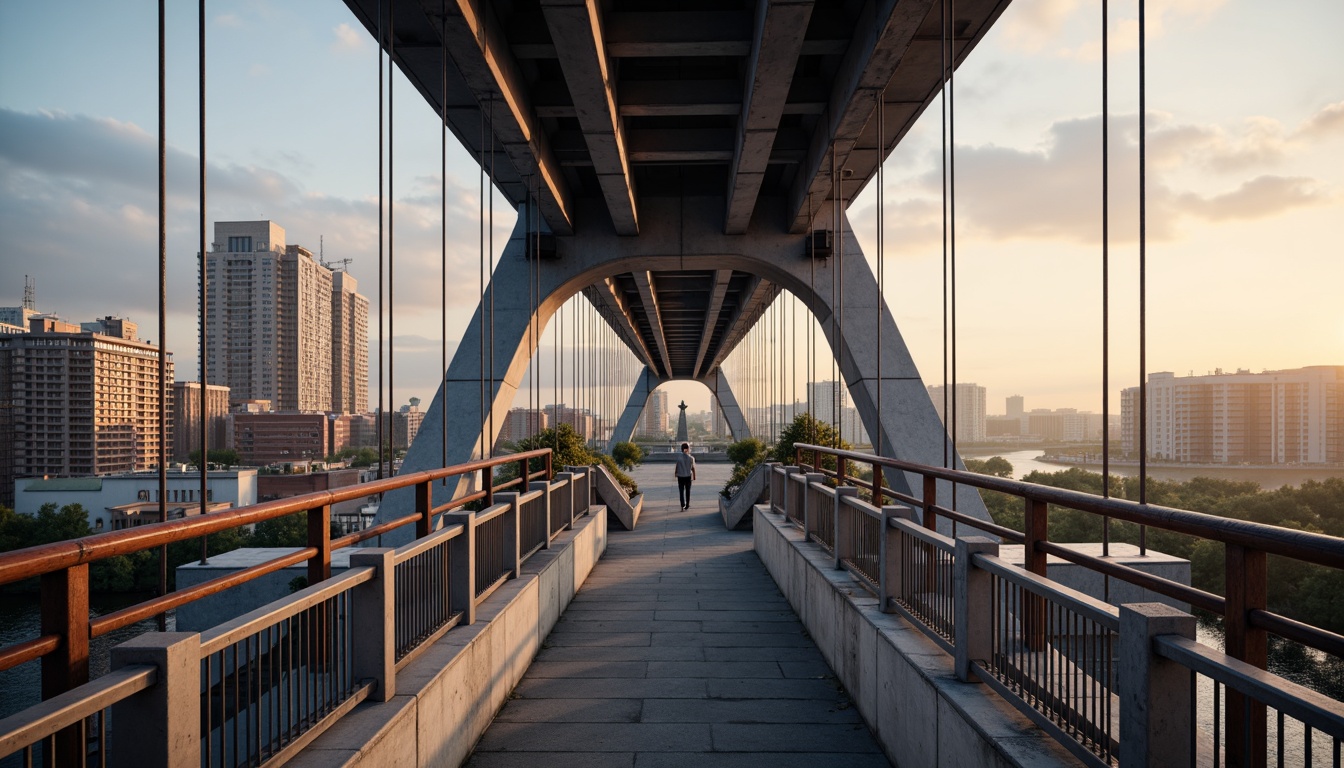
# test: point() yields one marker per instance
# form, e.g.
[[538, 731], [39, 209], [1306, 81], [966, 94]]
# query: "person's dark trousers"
[[684, 491]]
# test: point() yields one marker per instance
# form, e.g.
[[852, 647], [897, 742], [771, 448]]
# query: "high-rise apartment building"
[[349, 346], [970, 410], [826, 400], [1277, 417], [275, 319], [76, 403], [653, 422], [187, 404]]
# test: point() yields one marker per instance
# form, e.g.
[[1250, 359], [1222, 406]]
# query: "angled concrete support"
[[717, 383], [634, 406], [679, 234]]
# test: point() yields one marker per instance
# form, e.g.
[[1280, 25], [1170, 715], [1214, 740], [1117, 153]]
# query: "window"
[[240, 244]]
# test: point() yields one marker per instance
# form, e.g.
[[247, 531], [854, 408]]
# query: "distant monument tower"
[[682, 435]]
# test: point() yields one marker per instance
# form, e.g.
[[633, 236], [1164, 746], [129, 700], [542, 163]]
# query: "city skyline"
[[1246, 164]]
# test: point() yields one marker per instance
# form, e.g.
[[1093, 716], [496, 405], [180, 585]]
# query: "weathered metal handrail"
[[23, 730], [1312, 711], [63, 566]]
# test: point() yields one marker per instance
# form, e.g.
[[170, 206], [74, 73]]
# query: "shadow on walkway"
[[678, 651]]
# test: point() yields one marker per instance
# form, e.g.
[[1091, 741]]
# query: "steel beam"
[[481, 53], [716, 294], [644, 282], [881, 37], [754, 303], [583, 59], [777, 42]]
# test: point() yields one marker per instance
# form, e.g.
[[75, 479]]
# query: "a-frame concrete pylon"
[[681, 234], [716, 383]]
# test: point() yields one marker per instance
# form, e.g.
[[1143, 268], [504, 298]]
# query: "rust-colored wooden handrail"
[[63, 566]]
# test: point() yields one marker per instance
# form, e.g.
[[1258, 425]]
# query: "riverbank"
[[1268, 477]]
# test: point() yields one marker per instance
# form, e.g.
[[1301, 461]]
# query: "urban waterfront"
[[1270, 478]]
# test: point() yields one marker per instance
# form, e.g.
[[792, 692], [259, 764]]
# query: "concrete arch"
[[648, 381], [687, 234]]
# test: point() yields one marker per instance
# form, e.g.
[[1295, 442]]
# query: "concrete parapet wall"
[[902, 684], [447, 696]]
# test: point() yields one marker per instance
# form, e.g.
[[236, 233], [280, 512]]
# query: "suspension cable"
[[876, 439], [443, 241], [490, 288], [383, 416], [163, 315], [391, 234], [1143, 276], [1105, 281], [952, 215], [205, 435], [947, 419], [480, 281]]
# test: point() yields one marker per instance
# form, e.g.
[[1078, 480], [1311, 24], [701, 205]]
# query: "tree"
[[567, 450], [806, 429], [627, 455], [227, 457], [996, 466]]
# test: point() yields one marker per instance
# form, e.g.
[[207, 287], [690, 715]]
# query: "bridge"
[[682, 166]]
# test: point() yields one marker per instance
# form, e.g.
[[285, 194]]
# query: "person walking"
[[685, 472]]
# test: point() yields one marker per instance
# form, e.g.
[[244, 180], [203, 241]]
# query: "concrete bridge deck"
[[679, 650]]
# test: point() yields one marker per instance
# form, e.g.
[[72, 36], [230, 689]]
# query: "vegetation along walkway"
[[678, 651]]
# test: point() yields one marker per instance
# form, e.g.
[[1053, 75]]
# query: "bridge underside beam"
[[683, 236]]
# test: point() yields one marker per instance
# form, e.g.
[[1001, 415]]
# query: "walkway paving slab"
[[679, 651]]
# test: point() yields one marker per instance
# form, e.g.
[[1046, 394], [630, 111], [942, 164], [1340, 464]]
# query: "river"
[[1270, 478]]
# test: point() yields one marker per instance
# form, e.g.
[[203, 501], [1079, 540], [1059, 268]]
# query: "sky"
[[1245, 184]]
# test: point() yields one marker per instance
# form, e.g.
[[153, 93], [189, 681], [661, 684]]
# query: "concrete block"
[[903, 716]]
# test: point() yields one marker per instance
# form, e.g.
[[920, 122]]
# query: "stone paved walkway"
[[678, 651]]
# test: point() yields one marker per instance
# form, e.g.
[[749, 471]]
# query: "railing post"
[[545, 488], [549, 456], [891, 578], [816, 460], [319, 537], [1034, 561], [65, 612], [1154, 692], [878, 498], [808, 479], [1246, 591], [424, 507], [972, 606], [462, 573], [524, 474], [841, 467], [513, 534], [488, 485], [374, 614], [159, 727], [844, 526], [930, 501]]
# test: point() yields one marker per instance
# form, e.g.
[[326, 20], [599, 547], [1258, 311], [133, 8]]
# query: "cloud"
[[79, 208], [347, 39], [1327, 123], [1036, 26], [231, 20], [1053, 191], [1259, 198], [1030, 26]]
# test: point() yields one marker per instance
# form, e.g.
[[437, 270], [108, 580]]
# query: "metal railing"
[[1305, 726], [274, 678], [1056, 654], [428, 593], [32, 733], [67, 626]]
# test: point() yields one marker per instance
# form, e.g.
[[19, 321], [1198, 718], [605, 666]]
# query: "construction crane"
[[321, 258]]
